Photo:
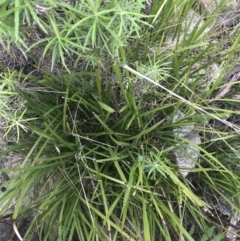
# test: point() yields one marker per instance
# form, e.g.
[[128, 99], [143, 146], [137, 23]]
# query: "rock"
[[192, 21], [187, 154], [6, 231], [230, 16]]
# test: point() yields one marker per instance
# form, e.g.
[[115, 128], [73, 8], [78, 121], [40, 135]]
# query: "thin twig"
[[235, 127]]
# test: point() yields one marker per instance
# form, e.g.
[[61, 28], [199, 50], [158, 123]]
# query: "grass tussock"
[[105, 96]]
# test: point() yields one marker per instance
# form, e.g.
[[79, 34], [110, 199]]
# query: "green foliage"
[[98, 153], [209, 235]]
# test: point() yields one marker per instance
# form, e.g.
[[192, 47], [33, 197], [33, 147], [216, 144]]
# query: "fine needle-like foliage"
[[93, 113]]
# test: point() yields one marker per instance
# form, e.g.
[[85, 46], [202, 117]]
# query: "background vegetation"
[[90, 91]]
